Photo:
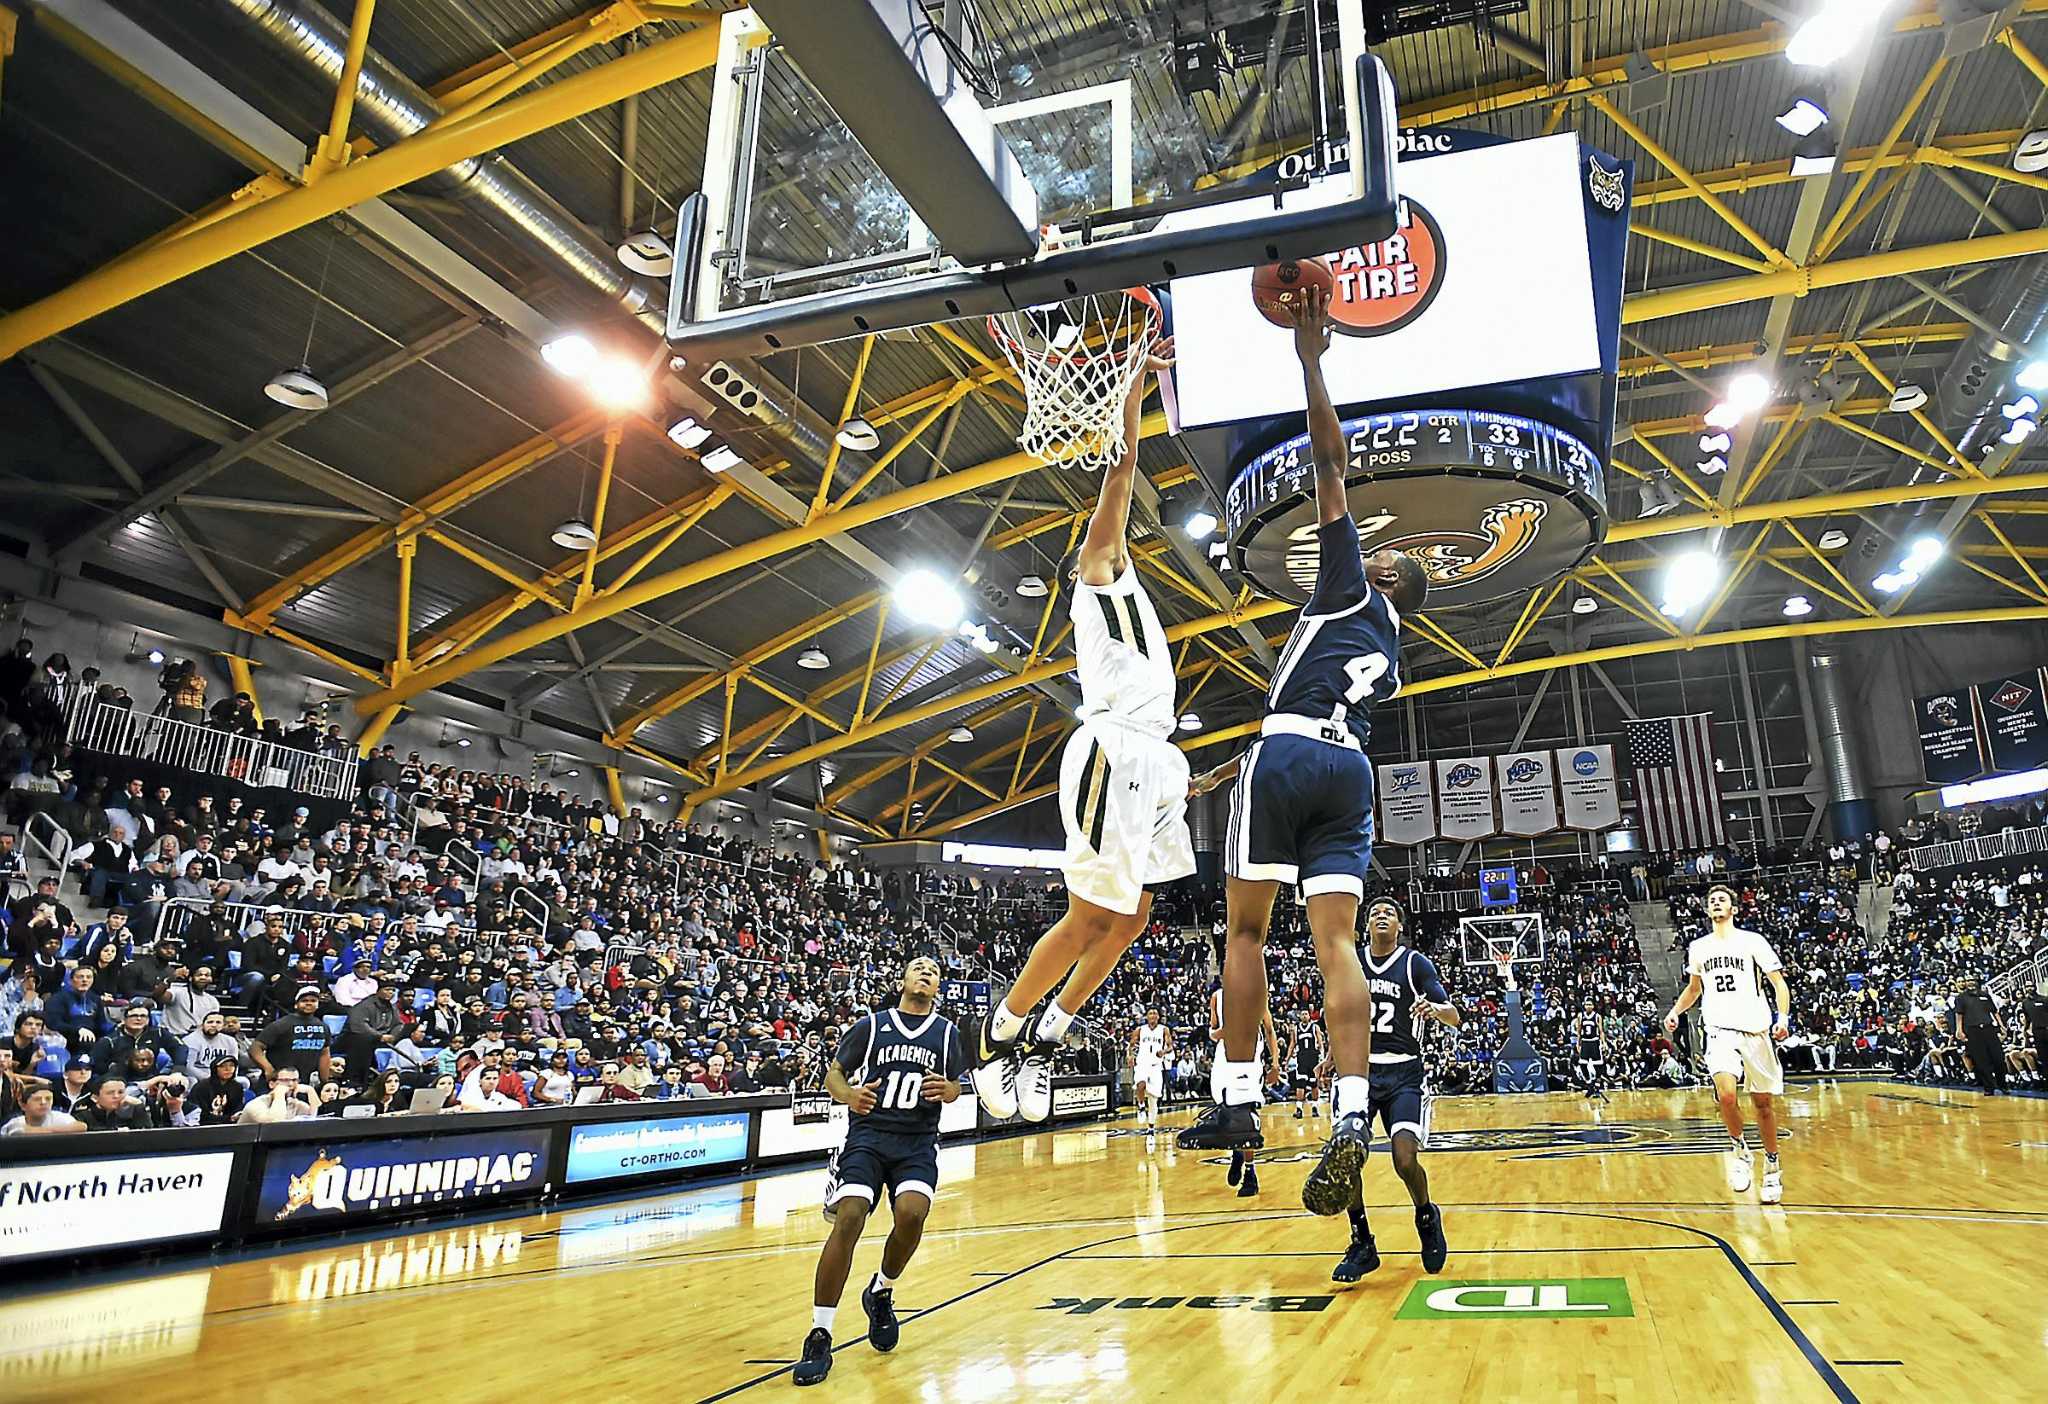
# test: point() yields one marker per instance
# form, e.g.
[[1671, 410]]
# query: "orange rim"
[[1143, 296]]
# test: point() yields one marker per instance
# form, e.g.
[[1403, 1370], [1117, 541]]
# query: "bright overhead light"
[[1723, 416], [1749, 392], [570, 354], [646, 251], [1797, 606], [859, 435], [1712, 466], [1688, 580], [572, 774], [156, 658], [813, 659], [929, 600], [687, 433], [1816, 155], [1891, 582], [1032, 587], [1201, 524], [1585, 604], [1716, 443], [1658, 498], [1907, 398], [616, 382], [462, 742], [960, 733], [2033, 375], [297, 389], [2019, 431], [574, 535], [1803, 116], [1924, 552], [722, 459], [1190, 721], [661, 799], [2025, 407], [1830, 33], [1833, 539]]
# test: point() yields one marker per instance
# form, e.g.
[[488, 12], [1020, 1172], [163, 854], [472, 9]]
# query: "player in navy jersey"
[[1591, 1041], [1301, 811], [1406, 990], [892, 1071]]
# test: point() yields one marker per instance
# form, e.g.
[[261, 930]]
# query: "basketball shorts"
[[1151, 1073], [1751, 1058], [872, 1161], [1400, 1099], [1124, 804], [1301, 812]]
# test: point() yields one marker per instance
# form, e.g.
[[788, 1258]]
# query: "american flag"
[[1676, 791]]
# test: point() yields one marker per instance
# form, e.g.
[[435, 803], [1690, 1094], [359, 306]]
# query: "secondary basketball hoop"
[[1504, 962], [1077, 360]]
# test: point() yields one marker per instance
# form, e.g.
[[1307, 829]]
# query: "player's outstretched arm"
[[1782, 1025], [1103, 550], [1210, 779], [1311, 318]]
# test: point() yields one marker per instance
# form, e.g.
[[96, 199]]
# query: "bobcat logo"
[[1462, 775], [1454, 558], [1523, 771], [1609, 189], [1943, 711], [299, 1192]]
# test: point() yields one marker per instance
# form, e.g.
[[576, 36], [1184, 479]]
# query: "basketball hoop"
[[1077, 361], [1503, 957]]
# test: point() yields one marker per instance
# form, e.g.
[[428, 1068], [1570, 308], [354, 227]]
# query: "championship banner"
[[1465, 809], [1592, 796], [1407, 807], [2015, 721], [314, 1182], [1951, 739], [1528, 793]]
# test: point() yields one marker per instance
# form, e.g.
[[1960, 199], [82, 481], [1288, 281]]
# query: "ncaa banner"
[[1528, 793], [1592, 796], [1407, 807], [1465, 798]]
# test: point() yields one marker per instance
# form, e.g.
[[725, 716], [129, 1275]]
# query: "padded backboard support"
[[882, 67]]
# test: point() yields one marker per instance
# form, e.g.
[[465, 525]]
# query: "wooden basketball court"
[[1595, 1255]]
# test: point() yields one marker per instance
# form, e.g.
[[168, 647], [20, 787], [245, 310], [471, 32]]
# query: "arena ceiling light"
[[1585, 604], [687, 433], [960, 733], [297, 388], [722, 459], [1659, 498], [1688, 580], [2033, 375], [814, 659], [616, 382], [1805, 114], [1797, 607], [929, 600], [1816, 155], [1200, 524], [571, 354], [859, 435], [1717, 443], [1832, 31], [1032, 587], [646, 251], [1833, 539], [1712, 466], [2023, 419], [574, 535], [1909, 397], [1190, 721]]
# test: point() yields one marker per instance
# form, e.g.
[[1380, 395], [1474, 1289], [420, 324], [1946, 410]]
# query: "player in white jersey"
[[1729, 968], [1123, 797], [1151, 1050]]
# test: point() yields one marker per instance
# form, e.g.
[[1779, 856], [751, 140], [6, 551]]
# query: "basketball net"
[[1504, 966], [1077, 361]]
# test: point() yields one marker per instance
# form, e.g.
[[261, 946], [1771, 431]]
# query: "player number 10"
[[902, 1090], [1365, 671]]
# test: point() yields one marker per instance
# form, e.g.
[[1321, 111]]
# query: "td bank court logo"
[[1561, 1299]]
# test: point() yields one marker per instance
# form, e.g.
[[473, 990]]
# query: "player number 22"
[[1724, 984], [1365, 672], [1383, 1016], [902, 1090]]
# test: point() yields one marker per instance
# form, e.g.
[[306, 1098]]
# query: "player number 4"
[[1365, 673]]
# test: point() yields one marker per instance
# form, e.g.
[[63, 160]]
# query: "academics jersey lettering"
[[1731, 971], [1399, 984], [898, 1050], [1121, 655], [1344, 656]]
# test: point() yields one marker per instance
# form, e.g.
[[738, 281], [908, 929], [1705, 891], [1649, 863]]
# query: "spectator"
[[298, 1041], [188, 1001], [286, 1100], [712, 1079], [383, 1097], [39, 1115], [107, 1108], [220, 1094], [76, 1013], [135, 1034], [373, 1024]]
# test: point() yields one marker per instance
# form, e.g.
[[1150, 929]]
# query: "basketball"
[[1278, 286]]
